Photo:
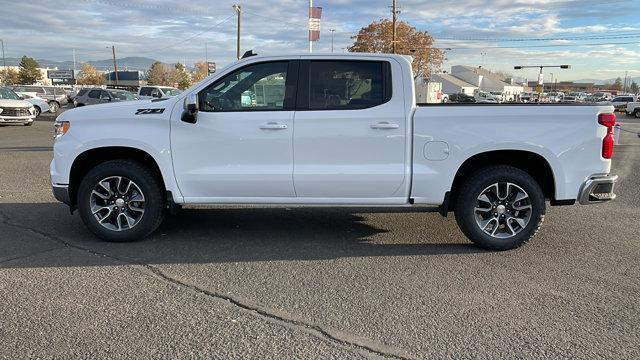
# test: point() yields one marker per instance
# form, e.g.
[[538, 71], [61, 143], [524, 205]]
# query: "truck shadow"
[[233, 234]]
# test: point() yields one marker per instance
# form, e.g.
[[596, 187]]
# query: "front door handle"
[[385, 125], [273, 126]]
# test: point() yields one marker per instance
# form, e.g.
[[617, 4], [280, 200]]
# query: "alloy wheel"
[[503, 210], [117, 203]]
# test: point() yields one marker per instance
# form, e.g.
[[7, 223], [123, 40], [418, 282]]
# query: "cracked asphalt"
[[250, 282]]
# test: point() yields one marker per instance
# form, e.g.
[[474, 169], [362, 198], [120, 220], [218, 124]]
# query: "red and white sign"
[[315, 13]]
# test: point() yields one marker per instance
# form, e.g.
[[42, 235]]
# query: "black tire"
[[467, 200], [146, 180], [38, 111], [28, 124], [636, 113]]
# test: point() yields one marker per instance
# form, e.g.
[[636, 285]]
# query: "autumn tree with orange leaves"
[[377, 38]]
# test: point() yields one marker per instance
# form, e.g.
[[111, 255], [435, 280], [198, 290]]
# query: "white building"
[[485, 80], [453, 85]]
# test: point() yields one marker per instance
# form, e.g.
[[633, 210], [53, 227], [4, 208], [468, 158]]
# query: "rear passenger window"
[[145, 91], [94, 94], [346, 85]]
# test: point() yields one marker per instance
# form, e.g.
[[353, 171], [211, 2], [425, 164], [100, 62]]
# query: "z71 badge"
[[149, 111]]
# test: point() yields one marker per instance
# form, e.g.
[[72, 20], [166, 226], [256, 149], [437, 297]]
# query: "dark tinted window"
[[94, 94], [145, 91], [346, 85], [255, 87], [82, 92]]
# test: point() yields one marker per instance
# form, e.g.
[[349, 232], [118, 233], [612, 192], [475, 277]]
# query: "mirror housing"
[[190, 112]]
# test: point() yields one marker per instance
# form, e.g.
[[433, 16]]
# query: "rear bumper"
[[597, 189]]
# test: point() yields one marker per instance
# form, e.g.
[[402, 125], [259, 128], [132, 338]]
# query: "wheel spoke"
[[522, 207], [101, 196], [513, 232], [520, 221]]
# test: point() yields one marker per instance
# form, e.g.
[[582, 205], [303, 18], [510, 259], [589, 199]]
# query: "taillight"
[[608, 120]]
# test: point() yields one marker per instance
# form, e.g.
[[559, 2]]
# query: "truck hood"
[[14, 103], [120, 110]]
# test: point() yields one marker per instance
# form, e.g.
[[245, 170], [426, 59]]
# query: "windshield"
[[171, 92], [122, 95], [8, 94]]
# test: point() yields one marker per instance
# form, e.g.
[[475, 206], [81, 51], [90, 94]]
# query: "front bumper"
[[597, 189], [61, 193], [16, 119]]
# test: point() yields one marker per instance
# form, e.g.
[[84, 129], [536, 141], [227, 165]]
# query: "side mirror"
[[190, 112]]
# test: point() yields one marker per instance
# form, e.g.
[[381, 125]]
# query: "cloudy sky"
[[600, 39]]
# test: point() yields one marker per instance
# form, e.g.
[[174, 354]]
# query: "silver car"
[[56, 96], [100, 96]]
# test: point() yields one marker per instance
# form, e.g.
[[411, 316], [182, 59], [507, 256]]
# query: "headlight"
[[60, 128], [32, 110], [1, 110]]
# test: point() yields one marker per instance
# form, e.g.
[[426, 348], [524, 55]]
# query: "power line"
[[190, 37], [539, 46], [587, 37], [151, 6]]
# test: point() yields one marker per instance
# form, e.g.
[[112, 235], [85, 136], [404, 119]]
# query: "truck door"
[[350, 132], [241, 147]]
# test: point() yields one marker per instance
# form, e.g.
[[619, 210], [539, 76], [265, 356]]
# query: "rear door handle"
[[385, 125], [273, 126]]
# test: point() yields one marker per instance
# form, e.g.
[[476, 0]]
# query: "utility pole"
[[4, 64], [552, 87], [238, 10], [115, 65], [332, 31], [206, 54], [393, 36], [74, 67]]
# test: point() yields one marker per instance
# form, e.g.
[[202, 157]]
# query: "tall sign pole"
[[315, 13], [5, 72], [310, 11]]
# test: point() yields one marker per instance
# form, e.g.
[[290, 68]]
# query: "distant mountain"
[[606, 81], [129, 63]]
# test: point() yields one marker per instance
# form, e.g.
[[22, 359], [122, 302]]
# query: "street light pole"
[[393, 24], [541, 75], [238, 10]]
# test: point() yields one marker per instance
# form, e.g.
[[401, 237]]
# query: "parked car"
[[55, 96], [485, 97], [359, 139], [556, 96], [40, 105], [150, 92], [601, 97], [620, 102], [633, 108], [101, 96], [569, 99], [14, 110], [461, 98]]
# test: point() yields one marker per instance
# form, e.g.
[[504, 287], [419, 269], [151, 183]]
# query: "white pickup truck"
[[329, 130]]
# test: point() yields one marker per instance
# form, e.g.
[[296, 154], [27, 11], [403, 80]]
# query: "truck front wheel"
[[121, 200], [500, 208]]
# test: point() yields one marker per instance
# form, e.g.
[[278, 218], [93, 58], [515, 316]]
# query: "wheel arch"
[[532, 163], [91, 158]]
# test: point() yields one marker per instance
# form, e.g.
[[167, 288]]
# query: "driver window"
[[255, 87]]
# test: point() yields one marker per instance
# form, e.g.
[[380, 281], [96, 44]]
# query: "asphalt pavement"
[[251, 282]]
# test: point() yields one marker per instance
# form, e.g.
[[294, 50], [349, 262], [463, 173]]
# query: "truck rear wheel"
[[500, 208], [121, 200]]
